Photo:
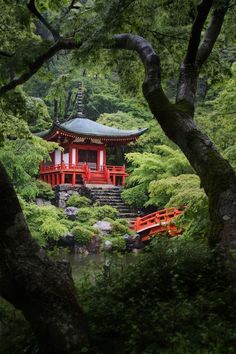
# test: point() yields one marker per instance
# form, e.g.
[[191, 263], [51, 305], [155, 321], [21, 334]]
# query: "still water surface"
[[95, 263]]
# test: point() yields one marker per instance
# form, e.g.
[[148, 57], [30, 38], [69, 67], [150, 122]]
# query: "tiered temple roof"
[[86, 128]]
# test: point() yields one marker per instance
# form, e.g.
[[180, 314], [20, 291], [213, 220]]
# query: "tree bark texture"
[[33, 283], [217, 176]]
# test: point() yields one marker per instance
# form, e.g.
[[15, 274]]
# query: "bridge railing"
[[161, 217]]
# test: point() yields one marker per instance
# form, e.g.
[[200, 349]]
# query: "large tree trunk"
[[217, 176], [33, 283]]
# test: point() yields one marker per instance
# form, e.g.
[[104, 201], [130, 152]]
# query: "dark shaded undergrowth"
[[174, 298]]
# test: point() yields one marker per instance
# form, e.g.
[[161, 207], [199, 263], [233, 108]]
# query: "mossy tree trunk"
[[33, 283], [177, 120]]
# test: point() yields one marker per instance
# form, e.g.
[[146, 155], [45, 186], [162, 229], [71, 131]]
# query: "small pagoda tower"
[[83, 157]]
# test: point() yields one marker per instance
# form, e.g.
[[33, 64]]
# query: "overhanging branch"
[[212, 33], [198, 53], [195, 37], [32, 8], [33, 67], [150, 59]]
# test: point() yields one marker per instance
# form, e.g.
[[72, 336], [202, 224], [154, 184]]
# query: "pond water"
[[94, 263]]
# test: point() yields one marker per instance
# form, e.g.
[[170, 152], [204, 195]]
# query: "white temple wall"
[[57, 156]]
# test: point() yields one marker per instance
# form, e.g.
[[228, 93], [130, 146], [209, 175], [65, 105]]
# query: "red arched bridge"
[[156, 223]]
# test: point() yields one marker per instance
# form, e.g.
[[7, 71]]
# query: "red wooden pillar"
[[53, 179], [73, 179], [41, 166], [123, 180], [62, 178], [49, 178], [58, 178]]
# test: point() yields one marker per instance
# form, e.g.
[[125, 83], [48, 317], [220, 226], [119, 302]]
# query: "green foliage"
[[45, 222], [96, 213], [120, 228], [148, 167], [183, 190], [105, 211], [16, 333], [135, 196], [117, 242], [165, 290], [84, 214], [83, 234], [78, 201], [21, 158], [44, 190], [218, 116]]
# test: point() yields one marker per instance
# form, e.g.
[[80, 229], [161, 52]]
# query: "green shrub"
[[44, 190], [45, 222], [83, 234], [16, 334], [105, 211], [120, 228], [78, 201], [175, 298], [91, 221], [118, 243], [84, 214]]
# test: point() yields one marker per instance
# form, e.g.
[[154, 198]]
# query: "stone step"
[[110, 200], [112, 197], [107, 190], [106, 195], [127, 215]]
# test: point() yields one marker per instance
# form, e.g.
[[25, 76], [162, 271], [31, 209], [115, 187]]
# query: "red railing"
[[87, 172], [116, 169], [159, 220], [107, 173], [60, 167], [113, 174]]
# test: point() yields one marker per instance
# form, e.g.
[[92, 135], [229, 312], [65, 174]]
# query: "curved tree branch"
[[61, 44], [151, 61], [198, 53], [187, 83], [32, 8], [195, 37], [211, 34], [216, 175]]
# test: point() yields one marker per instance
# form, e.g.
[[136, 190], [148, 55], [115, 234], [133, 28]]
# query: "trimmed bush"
[[83, 234], [119, 228], [105, 211], [44, 190], [78, 201], [86, 213], [118, 243]]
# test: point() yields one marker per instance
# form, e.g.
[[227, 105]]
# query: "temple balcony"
[[83, 173]]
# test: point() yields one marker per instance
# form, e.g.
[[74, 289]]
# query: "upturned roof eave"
[[56, 126]]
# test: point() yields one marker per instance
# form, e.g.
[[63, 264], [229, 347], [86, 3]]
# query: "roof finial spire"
[[79, 101]]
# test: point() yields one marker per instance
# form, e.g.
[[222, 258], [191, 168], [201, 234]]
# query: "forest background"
[[160, 175]]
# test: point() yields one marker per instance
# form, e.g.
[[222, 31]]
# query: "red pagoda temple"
[[83, 157]]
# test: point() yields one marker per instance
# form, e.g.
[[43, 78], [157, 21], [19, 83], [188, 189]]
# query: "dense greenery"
[[151, 304], [175, 296], [156, 305]]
